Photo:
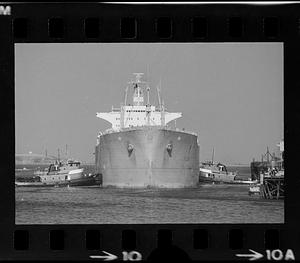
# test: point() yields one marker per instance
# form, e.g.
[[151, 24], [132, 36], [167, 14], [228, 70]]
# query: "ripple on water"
[[94, 205]]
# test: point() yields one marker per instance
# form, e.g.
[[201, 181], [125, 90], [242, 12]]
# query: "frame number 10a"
[[276, 254]]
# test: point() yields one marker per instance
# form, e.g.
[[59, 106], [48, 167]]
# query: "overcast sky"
[[230, 94]]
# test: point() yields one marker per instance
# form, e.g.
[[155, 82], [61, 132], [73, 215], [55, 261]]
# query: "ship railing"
[[186, 131], [142, 127]]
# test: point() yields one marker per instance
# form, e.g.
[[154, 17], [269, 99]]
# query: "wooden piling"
[[272, 187]]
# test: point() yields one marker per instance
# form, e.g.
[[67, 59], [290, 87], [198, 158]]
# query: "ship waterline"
[[148, 157]]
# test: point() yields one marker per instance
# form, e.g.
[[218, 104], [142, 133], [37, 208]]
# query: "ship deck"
[[108, 131]]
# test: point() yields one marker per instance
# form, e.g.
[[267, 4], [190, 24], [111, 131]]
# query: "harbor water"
[[209, 203]]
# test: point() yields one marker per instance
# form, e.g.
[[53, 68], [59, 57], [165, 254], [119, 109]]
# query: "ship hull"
[[148, 157], [84, 181]]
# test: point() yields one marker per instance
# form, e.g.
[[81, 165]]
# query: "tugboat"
[[217, 173], [61, 174], [210, 172]]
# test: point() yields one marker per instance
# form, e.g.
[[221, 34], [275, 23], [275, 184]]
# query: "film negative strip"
[[147, 184]]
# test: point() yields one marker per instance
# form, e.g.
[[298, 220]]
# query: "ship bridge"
[[139, 114]]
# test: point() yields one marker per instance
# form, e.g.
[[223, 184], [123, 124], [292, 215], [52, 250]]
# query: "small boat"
[[254, 189], [215, 173], [61, 174], [211, 172]]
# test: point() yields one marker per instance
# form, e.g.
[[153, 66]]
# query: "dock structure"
[[270, 173], [268, 161], [272, 188], [269, 188]]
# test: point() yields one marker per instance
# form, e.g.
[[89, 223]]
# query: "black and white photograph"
[[149, 133]]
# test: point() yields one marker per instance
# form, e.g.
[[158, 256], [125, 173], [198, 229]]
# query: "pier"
[[272, 188], [270, 173], [269, 188]]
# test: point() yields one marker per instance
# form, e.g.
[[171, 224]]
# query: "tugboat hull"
[[84, 181], [148, 157]]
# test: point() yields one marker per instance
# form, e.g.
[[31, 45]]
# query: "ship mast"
[[163, 114], [161, 104], [125, 99], [148, 95], [66, 151], [148, 106], [158, 94], [122, 108], [58, 155], [148, 88], [138, 98]]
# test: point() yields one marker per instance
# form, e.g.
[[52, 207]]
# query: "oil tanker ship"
[[141, 150]]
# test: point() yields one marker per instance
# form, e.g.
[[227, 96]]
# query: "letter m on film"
[[5, 10]]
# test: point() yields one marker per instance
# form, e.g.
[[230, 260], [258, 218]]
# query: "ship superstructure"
[[139, 114], [140, 150]]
